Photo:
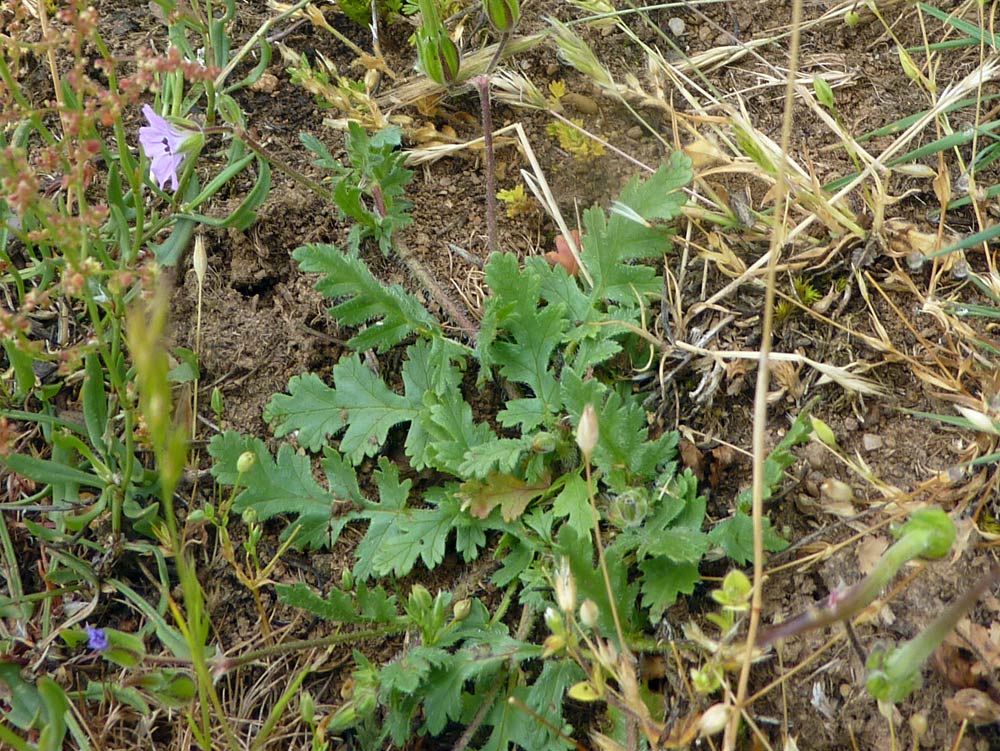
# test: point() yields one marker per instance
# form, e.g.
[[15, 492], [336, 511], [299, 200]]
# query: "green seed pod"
[[503, 14], [543, 443], [438, 56]]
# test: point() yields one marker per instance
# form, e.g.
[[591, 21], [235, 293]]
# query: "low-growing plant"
[[512, 475]]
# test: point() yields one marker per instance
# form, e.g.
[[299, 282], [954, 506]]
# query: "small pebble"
[[872, 442], [551, 69], [635, 132], [816, 455], [676, 26]]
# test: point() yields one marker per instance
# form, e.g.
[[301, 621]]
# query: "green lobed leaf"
[[400, 313], [310, 407], [735, 536], [662, 581], [399, 535], [371, 408], [280, 485], [362, 606]]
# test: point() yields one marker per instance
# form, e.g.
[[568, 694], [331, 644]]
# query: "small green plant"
[[518, 202], [574, 140], [735, 534], [552, 342], [370, 190]]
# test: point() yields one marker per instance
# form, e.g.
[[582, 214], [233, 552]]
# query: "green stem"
[[254, 40], [928, 534]]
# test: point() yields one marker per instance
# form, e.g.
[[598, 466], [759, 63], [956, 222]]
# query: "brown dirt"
[[263, 323]]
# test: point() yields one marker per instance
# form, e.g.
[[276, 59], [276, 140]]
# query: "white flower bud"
[[565, 587], [589, 612], [587, 432], [200, 259], [714, 719]]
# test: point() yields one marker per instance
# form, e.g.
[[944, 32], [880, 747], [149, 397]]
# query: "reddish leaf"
[[512, 495], [563, 255]]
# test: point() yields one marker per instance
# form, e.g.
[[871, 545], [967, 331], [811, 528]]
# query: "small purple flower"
[[97, 640], [163, 145]]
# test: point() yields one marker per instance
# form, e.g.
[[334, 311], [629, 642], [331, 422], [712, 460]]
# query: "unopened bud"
[[200, 259], [587, 431], [565, 587], [461, 609], [503, 14], [589, 613], [246, 461], [553, 645], [307, 708], [714, 719], [543, 443], [554, 621]]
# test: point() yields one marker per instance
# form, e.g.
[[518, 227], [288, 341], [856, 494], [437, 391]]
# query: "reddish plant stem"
[[483, 85]]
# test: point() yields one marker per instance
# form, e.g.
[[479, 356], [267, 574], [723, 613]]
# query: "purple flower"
[[163, 145], [97, 640]]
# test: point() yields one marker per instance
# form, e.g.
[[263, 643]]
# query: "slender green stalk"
[[895, 674], [928, 534]]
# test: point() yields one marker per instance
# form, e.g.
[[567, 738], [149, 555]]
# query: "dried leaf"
[[973, 706], [512, 495], [869, 551], [692, 458]]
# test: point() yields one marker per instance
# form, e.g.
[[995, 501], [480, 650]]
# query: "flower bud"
[[346, 580], [714, 719], [503, 14], [420, 599], [587, 431], [245, 462], [553, 645], [461, 609], [543, 443], [307, 708], [200, 259], [589, 613], [554, 621], [565, 587]]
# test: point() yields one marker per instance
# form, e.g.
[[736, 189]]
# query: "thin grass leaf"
[[973, 31]]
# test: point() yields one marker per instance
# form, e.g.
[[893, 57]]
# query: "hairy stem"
[[483, 86]]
